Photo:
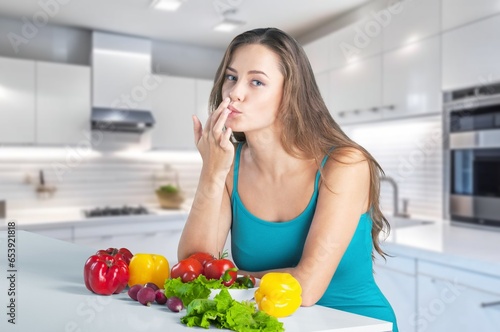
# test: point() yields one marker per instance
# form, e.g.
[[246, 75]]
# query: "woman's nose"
[[237, 92]]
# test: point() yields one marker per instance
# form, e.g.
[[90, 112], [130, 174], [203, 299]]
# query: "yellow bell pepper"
[[279, 294], [144, 268]]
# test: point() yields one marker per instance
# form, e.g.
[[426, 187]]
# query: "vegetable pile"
[[224, 312], [189, 284]]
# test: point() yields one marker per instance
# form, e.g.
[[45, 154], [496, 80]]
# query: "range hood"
[[122, 115], [121, 120]]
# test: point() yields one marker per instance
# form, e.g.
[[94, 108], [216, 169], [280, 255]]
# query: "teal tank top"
[[259, 245]]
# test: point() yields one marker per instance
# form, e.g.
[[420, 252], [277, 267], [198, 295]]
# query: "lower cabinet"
[[154, 237], [162, 243], [397, 280], [451, 299], [60, 233]]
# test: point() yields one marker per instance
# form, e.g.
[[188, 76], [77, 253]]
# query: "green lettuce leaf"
[[225, 312]]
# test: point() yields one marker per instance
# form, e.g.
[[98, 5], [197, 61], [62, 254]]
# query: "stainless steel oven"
[[472, 160]]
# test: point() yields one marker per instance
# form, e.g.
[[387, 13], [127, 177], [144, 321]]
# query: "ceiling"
[[191, 24]]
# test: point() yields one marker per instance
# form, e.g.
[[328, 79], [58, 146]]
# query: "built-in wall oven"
[[472, 160]]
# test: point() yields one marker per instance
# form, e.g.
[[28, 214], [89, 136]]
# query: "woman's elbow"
[[308, 300]]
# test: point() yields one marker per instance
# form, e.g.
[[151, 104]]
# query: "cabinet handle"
[[356, 112], [490, 304], [391, 107], [374, 109], [342, 114]]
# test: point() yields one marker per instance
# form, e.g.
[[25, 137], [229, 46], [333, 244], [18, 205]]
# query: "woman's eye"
[[230, 77], [257, 83]]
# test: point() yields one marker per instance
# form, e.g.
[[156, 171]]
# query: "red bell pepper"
[[127, 255], [105, 274]]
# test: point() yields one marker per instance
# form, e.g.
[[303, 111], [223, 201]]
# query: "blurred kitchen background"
[[96, 99]]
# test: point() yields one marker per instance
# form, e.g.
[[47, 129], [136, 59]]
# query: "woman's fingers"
[[225, 140], [221, 121], [197, 128], [216, 114]]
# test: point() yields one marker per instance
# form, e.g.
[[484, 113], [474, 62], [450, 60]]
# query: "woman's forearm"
[[202, 232]]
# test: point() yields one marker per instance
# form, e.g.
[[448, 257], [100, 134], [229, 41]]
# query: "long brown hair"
[[302, 108]]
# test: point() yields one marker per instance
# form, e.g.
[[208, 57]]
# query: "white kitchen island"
[[50, 295]]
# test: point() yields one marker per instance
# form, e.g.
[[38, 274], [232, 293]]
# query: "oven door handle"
[[480, 139]]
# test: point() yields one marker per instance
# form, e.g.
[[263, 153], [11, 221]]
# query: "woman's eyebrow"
[[250, 72]]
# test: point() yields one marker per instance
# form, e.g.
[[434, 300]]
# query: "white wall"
[[410, 151]]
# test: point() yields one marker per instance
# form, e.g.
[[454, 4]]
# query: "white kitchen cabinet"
[[160, 243], [203, 90], [322, 80], [155, 237], [460, 12], [173, 104], [62, 103], [411, 21], [411, 79], [354, 42], [64, 233], [470, 54], [17, 101], [451, 299], [318, 54], [397, 280], [355, 91]]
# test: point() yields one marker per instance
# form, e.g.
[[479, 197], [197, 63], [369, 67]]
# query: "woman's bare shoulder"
[[347, 162]]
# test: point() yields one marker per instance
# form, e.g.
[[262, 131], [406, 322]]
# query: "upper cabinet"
[[409, 21], [459, 12], [317, 53], [355, 91], [323, 82], [470, 54], [411, 79], [43, 103], [62, 103], [356, 41], [17, 101]]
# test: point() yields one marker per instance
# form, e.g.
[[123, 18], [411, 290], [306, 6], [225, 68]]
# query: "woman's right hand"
[[213, 142]]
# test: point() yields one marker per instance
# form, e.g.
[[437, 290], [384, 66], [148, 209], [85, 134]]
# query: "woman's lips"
[[233, 110]]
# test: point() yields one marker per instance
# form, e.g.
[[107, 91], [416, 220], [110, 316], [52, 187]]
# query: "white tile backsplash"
[[410, 151], [92, 180]]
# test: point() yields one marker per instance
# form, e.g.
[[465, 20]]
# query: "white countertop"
[[34, 219], [51, 296], [458, 246]]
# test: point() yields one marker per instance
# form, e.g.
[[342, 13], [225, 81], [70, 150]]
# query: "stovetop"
[[116, 211]]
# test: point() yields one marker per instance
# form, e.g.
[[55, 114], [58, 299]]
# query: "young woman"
[[278, 173]]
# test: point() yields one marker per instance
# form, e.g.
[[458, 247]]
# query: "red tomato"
[[188, 276], [186, 265], [217, 268], [202, 257]]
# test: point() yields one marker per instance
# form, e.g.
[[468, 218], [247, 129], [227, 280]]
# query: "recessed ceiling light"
[[228, 25], [167, 5]]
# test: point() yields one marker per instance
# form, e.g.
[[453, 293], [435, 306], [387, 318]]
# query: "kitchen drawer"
[[467, 278], [64, 233], [398, 263]]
